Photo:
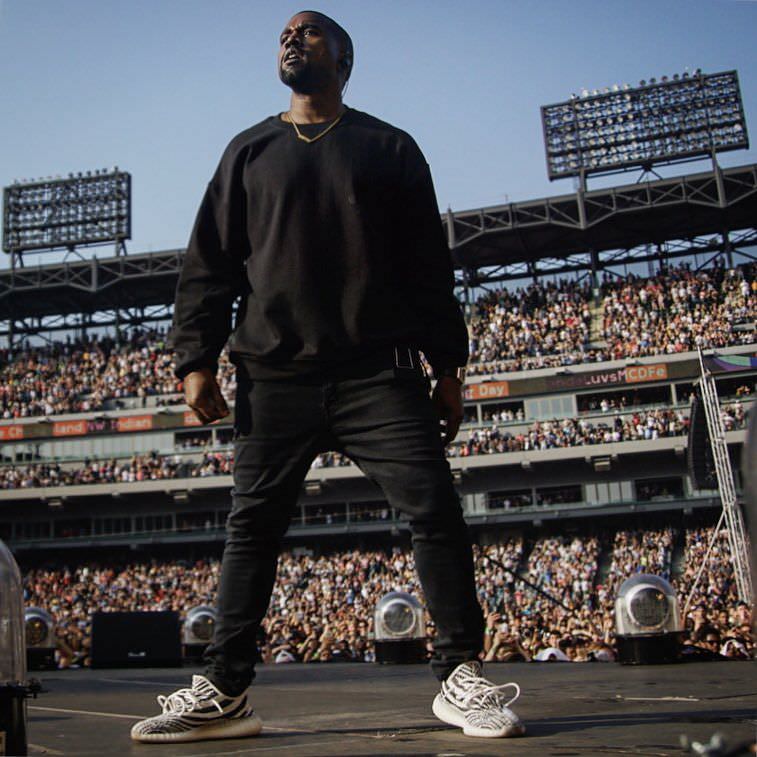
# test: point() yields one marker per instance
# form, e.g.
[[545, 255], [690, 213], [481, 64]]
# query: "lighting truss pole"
[[734, 521]]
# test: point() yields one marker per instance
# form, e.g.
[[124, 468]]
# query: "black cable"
[[528, 583]]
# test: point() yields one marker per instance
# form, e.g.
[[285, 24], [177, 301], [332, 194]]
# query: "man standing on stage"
[[323, 220]]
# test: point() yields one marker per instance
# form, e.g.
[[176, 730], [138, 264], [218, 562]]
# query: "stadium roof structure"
[[710, 212], [714, 212]]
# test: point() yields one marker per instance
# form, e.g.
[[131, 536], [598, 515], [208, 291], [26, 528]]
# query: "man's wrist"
[[456, 372]]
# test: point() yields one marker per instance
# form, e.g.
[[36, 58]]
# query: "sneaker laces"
[[183, 701], [478, 690]]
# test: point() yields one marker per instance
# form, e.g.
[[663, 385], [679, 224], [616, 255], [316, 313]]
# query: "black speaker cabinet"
[[400, 651], [701, 463], [136, 640], [40, 658]]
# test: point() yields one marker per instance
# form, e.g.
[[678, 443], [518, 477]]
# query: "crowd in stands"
[[547, 325], [544, 324], [637, 552], [79, 376], [545, 601], [540, 435], [720, 623], [717, 587], [147, 467], [573, 432], [679, 310]]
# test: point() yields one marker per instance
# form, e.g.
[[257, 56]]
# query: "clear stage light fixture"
[[40, 639], [14, 687], [199, 625], [400, 635], [656, 123], [648, 626], [197, 631], [78, 211]]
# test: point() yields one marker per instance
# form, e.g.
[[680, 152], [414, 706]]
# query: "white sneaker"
[[476, 705], [198, 713]]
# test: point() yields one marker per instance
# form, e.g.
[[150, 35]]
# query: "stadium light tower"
[[80, 211], [675, 120]]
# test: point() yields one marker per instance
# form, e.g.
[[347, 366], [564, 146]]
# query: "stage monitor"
[[136, 639]]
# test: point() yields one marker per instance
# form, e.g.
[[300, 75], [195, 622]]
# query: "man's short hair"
[[344, 39]]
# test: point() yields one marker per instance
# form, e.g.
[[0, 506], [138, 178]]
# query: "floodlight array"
[[675, 119], [83, 209]]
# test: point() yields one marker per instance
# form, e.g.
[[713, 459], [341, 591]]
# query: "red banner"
[[70, 428], [487, 390], [9, 433], [135, 423], [190, 419], [635, 374]]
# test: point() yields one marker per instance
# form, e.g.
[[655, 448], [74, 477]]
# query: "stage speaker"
[[699, 458], [136, 639]]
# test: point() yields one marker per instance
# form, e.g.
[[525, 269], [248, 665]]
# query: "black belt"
[[404, 360]]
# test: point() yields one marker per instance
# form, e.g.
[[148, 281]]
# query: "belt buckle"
[[410, 364]]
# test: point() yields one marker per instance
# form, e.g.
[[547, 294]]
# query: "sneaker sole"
[[451, 715], [229, 729]]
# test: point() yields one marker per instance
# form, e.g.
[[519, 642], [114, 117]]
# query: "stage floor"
[[352, 709]]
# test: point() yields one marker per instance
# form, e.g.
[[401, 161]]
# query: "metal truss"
[[81, 294], [118, 318], [91, 275], [582, 210], [731, 515], [710, 213], [738, 243]]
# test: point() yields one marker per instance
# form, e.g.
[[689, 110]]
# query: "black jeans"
[[387, 424]]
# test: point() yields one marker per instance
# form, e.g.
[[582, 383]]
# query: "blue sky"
[[158, 87]]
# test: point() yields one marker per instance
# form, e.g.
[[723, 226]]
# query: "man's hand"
[[202, 394], [448, 398]]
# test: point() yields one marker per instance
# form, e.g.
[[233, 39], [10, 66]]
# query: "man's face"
[[308, 54]]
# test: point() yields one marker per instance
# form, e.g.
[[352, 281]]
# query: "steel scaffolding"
[[731, 514]]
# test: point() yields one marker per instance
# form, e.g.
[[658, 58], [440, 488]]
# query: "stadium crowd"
[[679, 310], [492, 439], [79, 376], [575, 432], [549, 324], [537, 326], [544, 324], [544, 602], [637, 552]]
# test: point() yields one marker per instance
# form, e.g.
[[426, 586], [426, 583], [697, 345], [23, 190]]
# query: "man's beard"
[[302, 79]]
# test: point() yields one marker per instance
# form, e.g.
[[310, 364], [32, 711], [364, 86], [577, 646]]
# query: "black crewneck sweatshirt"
[[336, 248]]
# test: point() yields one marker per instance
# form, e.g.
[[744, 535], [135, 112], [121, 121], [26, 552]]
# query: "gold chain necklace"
[[301, 136]]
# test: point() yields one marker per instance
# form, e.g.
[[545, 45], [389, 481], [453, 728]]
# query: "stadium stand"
[[575, 422], [322, 605], [541, 435], [541, 325]]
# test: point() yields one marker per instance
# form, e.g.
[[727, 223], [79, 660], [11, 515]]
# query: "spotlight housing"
[[197, 630], [648, 625], [40, 639], [400, 634]]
